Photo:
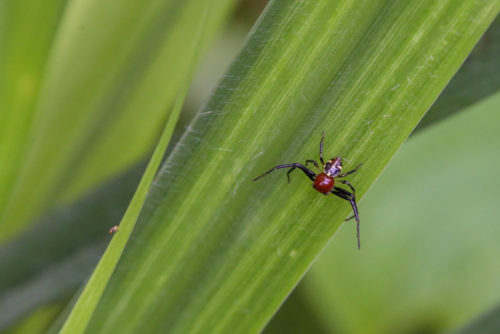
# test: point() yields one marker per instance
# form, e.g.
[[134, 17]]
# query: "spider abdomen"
[[323, 183]]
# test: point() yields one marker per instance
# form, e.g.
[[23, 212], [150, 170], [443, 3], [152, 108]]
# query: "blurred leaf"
[[39, 321], [109, 60], [84, 307], [27, 30], [431, 237], [71, 229], [295, 317], [55, 281], [213, 252], [56, 240], [486, 324], [213, 65], [478, 77], [61, 238]]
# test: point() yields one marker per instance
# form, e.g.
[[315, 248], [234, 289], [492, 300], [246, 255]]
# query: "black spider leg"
[[293, 168], [310, 174], [353, 192], [342, 193], [348, 184], [350, 172], [321, 148], [312, 162]]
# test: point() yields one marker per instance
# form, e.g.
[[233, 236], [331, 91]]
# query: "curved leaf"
[[113, 70], [213, 252]]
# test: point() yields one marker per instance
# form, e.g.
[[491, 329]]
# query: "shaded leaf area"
[[487, 323], [431, 238], [50, 261], [39, 321], [477, 78], [113, 71], [53, 283], [213, 252], [77, 229], [295, 316], [27, 31]]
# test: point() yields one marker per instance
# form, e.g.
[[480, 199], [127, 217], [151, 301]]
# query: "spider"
[[324, 182]]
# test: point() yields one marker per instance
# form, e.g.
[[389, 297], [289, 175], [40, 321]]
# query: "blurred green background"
[[430, 259]]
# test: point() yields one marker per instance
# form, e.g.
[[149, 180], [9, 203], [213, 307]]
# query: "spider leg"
[[293, 168], [350, 172], [313, 162], [321, 148], [342, 193], [349, 185], [288, 173], [310, 174]]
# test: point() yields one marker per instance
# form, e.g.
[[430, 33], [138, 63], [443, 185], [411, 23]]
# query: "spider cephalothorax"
[[333, 167]]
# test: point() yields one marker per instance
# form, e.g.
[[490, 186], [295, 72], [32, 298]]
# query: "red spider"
[[325, 182]]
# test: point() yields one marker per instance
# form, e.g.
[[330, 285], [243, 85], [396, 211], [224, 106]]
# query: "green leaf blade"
[[430, 257], [477, 78], [213, 252]]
